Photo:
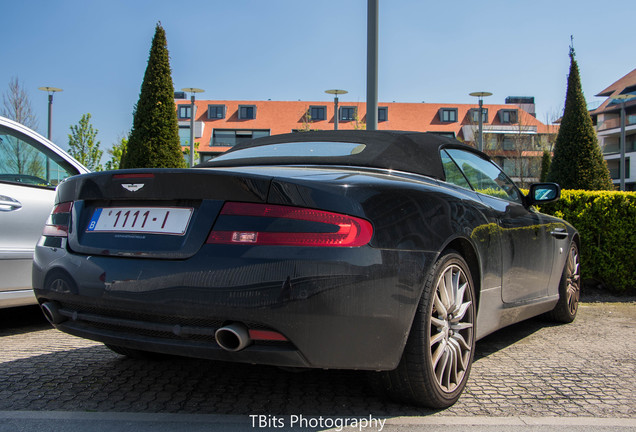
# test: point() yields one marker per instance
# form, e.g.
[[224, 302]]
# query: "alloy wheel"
[[451, 330], [573, 280]]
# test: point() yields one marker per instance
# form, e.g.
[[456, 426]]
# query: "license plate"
[[151, 220]]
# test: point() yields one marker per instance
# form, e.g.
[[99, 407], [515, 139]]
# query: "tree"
[[154, 139], [546, 158], [116, 153], [578, 162], [186, 152], [357, 123], [83, 145], [16, 156], [16, 105], [513, 150], [306, 121]]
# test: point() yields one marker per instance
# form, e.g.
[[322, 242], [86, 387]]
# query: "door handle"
[[9, 204], [560, 233]]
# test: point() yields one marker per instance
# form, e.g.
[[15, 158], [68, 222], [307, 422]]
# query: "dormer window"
[[383, 114], [318, 113], [184, 111], [474, 115], [216, 112], [247, 112], [448, 115], [347, 113], [508, 116]]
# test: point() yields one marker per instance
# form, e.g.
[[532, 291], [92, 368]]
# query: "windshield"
[[298, 149]]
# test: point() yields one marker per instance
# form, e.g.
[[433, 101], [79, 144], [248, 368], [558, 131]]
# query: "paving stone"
[[587, 368]]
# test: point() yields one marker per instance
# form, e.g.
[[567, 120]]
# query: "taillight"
[[133, 176], [264, 224], [59, 220]]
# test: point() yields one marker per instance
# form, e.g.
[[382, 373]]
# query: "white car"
[[30, 169]]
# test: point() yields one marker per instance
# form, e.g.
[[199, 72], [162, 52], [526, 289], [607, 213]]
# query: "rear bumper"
[[338, 308]]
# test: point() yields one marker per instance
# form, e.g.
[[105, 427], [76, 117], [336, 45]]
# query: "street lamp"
[[372, 64], [192, 91], [50, 91], [481, 96], [335, 92]]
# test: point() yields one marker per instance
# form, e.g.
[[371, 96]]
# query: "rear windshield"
[[313, 149]]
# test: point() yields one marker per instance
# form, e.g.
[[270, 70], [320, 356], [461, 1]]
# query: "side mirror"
[[541, 193]]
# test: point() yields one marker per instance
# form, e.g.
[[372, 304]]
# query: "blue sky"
[[290, 50]]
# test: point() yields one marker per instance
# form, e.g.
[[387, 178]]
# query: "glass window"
[[229, 138], [484, 176], [247, 112], [444, 134], [184, 135], [224, 138], [26, 161], [452, 172], [508, 116], [383, 114], [216, 112], [184, 111], [260, 134], [347, 113], [448, 115], [508, 142], [614, 166], [318, 113]]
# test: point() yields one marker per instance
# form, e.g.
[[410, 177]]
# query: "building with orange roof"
[[607, 121], [512, 136]]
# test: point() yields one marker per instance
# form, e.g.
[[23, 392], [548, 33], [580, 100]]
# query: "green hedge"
[[606, 222]]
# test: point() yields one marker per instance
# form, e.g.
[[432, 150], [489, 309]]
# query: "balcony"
[[615, 123], [614, 168]]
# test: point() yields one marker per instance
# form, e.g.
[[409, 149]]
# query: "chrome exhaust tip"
[[52, 313], [233, 337]]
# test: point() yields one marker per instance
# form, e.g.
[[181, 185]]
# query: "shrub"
[[606, 222]]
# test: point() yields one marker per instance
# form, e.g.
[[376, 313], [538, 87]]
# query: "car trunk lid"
[[159, 213]]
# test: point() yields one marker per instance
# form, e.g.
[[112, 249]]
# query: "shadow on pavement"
[[23, 319], [509, 336]]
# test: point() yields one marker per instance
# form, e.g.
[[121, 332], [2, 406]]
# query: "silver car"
[[30, 169]]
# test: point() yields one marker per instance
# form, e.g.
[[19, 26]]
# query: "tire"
[[439, 352], [569, 288], [135, 353]]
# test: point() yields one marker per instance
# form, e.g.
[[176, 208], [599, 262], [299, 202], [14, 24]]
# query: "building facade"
[[512, 136], [607, 121]]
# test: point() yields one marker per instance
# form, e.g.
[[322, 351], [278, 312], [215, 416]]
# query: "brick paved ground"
[[583, 369]]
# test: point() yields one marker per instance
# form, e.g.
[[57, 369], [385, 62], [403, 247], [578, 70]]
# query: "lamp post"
[[192, 91], [50, 91], [622, 98], [372, 64], [335, 92], [481, 96]]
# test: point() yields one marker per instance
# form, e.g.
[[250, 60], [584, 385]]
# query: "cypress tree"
[[545, 165], [154, 139], [578, 162]]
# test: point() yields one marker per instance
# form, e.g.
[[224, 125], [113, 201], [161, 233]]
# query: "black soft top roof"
[[414, 152]]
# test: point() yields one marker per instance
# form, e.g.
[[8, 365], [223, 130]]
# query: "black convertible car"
[[382, 251]]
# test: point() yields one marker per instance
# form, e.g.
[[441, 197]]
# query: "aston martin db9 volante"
[[390, 252]]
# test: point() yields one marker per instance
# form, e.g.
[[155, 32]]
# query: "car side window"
[[484, 176], [452, 172], [25, 161]]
